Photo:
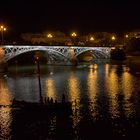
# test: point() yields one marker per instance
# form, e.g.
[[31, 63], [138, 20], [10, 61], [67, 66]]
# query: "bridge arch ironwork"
[[13, 51], [63, 51], [102, 50]]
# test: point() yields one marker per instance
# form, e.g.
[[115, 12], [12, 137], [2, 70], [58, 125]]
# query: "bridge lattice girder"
[[63, 51], [103, 50]]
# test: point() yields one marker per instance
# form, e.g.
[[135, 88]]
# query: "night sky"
[[66, 15]]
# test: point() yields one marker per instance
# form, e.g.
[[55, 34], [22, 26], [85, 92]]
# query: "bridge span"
[[62, 52]]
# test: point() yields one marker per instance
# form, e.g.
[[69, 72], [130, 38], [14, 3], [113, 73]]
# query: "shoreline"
[[133, 62]]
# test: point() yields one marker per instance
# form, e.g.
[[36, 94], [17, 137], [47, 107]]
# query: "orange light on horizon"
[[113, 38], [73, 34], [50, 35], [126, 35], [92, 38], [2, 28]]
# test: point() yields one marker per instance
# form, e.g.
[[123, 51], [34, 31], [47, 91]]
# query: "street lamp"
[[91, 38], [2, 29], [125, 40], [126, 36], [113, 38], [49, 35], [73, 35]]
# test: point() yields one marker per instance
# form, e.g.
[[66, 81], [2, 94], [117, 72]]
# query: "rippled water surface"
[[105, 102]]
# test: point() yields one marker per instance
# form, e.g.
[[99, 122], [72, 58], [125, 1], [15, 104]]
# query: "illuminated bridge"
[[64, 53]]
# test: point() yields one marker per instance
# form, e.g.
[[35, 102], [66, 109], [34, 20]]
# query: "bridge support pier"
[[73, 59]]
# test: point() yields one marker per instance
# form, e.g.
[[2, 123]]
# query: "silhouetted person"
[[51, 101], [48, 100], [45, 100], [55, 101], [63, 98]]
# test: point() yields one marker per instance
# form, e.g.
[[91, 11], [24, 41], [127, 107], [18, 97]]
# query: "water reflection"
[[74, 96], [113, 89], [119, 84], [106, 99], [5, 111], [5, 96], [92, 91], [106, 70], [127, 89], [50, 88], [24, 87]]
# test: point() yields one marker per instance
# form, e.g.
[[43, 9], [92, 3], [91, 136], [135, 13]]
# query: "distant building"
[[134, 34]]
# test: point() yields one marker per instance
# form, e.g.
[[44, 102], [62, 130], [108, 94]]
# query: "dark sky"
[[66, 15]]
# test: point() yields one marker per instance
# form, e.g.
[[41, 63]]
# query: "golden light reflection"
[[2, 53], [112, 88], [92, 90], [93, 66], [5, 111], [5, 97], [127, 87], [74, 95], [50, 88], [107, 70]]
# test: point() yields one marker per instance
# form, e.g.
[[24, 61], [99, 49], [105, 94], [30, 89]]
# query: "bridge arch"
[[11, 52], [61, 52], [9, 57], [103, 53]]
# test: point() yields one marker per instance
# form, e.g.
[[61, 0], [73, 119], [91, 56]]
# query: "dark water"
[[105, 103]]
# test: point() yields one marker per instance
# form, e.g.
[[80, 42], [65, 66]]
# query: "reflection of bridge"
[[61, 52]]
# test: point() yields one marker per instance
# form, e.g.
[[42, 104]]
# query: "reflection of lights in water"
[[93, 66], [127, 88], [106, 70], [51, 73], [5, 122], [92, 90], [52, 127], [126, 69], [4, 93], [74, 93], [112, 88], [50, 88], [5, 112], [73, 84]]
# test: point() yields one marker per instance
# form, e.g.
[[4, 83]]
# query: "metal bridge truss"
[[55, 52]]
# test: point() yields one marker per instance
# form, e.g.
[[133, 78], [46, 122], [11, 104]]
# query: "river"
[[105, 102]]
